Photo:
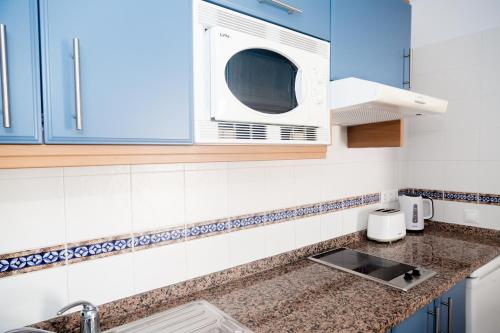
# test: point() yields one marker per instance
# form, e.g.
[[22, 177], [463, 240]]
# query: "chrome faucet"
[[89, 316]]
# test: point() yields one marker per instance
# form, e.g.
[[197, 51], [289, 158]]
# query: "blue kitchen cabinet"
[[454, 314], [314, 18], [451, 318], [134, 73], [20, 103], [370, 39], [420, 322]]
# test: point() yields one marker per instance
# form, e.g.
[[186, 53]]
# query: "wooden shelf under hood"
[[376, 135]]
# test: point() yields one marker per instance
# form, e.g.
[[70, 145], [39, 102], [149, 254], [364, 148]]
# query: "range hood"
[[354, 102]]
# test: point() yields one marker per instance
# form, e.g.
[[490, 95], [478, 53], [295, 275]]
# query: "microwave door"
[[253, 82], [262, 80]]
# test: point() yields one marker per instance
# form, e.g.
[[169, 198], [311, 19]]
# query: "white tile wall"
[[307, 231], [157, 196], [97, 202], [159, 266], [331, 225], [32, 209], [33, 297], [207, 255], [206, 193], [458, 151], [246, 246], [101, 281], [280, 238]]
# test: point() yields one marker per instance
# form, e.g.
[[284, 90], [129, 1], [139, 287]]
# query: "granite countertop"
[[299, 295], [308, 297]]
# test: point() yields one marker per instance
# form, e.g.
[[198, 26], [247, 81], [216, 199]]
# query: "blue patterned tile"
[[34, 259], [433, 194], [353, 202], [460, 196], [195, 231], [17, 263], [4, 265], [371, 198], [120, 244], [489, 199], [81, 251], [132, 242], [66, 254], [176, 234]]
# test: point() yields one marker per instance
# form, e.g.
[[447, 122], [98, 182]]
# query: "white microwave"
[[256, 82]]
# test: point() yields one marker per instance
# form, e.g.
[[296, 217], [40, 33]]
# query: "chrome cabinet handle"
[[449, 305], [407, 82], [5, 78], [78, 92], [437, 318], [284, 5]]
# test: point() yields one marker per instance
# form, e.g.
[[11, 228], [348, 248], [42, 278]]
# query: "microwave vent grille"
[[364, 114], [298, 133], [228, 132], [211, 15], [241, 131]]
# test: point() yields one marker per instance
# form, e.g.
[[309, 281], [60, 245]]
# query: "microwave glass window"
[[263, 80]]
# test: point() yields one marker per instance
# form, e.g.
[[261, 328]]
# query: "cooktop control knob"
[[408, 276], [415, 272]]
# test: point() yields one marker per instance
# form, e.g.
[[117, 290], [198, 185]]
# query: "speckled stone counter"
[[303, 296]]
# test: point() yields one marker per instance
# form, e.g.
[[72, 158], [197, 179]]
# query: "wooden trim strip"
[[37, 156], [384, 134]]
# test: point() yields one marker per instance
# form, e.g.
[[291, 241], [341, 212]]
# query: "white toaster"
[[386, 225]]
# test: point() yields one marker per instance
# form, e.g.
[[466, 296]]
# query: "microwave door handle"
[[300, 87]]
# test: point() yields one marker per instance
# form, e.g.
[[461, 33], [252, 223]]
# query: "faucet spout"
[[89, 319]]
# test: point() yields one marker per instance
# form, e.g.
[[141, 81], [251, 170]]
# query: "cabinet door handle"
[[407, 82], [78, 92], [437, 318], [284, 5], [5, 77], [449, 305]]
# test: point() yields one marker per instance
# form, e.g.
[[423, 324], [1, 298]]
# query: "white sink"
[[199, 316]]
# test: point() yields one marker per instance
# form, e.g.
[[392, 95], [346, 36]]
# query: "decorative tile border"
[[36, 259], [27, 261], [98, 248], [433, 194], [32, 260], [489, 199], [467, 197], [461, 196]]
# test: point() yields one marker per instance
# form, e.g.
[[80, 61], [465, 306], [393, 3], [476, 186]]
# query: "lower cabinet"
[[445, 314]]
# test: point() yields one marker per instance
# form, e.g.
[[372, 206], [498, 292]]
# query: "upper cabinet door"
[[20, 107], [369, 40], [117, 71], [306, 16]]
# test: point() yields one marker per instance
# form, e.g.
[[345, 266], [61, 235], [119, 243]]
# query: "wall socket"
[[389, 196], [471, 216]]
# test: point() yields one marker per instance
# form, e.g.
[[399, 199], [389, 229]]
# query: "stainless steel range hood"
[[354, 102]]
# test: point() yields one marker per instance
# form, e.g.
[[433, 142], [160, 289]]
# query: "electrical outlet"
[[389, 196], [471, 216]]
